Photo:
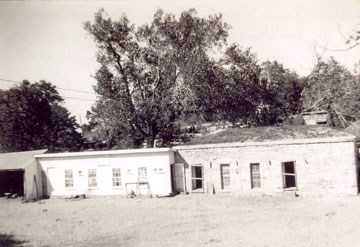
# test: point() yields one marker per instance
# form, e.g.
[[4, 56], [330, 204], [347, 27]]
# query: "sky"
[[45, 40]]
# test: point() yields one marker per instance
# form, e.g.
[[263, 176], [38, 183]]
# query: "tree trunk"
[[150, 140]]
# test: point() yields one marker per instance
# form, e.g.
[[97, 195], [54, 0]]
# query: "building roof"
[[354, 129], [18, 160], [107, 152], [266, 134]]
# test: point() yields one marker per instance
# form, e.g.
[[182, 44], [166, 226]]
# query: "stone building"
[[311, 160]]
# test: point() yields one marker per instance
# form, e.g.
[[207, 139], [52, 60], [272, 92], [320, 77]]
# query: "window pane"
[[68, 173], [290, 181], [289, 167]]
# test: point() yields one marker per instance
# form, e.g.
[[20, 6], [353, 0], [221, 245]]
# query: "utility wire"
[[79, 98], [66, 89], [73, 90]]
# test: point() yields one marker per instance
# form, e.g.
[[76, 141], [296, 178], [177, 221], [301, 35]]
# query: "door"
[[178, 177]]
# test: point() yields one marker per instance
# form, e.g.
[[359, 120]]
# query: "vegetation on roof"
[[267, 134]]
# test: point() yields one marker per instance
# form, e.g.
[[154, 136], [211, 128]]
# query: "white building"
[[115, 172]]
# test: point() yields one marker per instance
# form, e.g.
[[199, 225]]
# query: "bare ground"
[[186, 220]]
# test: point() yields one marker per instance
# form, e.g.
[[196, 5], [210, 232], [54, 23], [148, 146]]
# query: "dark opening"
[[12, 182], [289, 167], [290, 181]]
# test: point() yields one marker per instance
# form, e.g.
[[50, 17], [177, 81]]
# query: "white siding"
[[159, 179]]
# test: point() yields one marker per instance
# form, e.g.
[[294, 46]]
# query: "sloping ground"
[[189, 220], [268, 134]]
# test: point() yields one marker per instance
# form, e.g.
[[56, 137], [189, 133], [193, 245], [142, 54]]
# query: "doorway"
[[178, 178], [12, 181]]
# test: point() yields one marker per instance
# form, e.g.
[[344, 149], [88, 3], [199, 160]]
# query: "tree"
[[331, 87], [280, 93], [31, 117], [151, 74], [354, 38], [237, 86]]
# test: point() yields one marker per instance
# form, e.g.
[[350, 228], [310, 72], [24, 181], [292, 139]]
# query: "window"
[[116, 177], [225, 176], [142, 174], [158, 170], [289, 175], [255, 175], [197, 178], [92, 178], [69, 179]]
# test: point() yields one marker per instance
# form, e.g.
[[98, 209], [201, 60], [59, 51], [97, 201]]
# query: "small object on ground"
[[82, 196], [132, 194], [14, 196], [44, 210], [7, 195], [58, 219]]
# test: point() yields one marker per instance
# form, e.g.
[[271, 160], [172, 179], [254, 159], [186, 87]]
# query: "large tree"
[[32, 117], [280, 93], [331, 87], [150, 75]]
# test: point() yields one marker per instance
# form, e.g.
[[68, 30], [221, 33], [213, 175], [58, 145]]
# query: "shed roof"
[[264, 134], [18, 160]]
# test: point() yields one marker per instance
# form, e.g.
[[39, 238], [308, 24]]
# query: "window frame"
[[142, 178], [284, 174], [92, 179], [254, 181], [226, 177], [116, 177], [69, 179]]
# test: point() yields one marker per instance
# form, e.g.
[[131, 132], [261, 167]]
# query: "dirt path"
[[191, 220]]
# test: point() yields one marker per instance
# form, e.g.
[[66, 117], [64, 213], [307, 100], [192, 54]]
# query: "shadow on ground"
[[10, 240]]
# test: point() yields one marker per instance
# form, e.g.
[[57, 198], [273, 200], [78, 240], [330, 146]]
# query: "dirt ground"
[[185, 220]]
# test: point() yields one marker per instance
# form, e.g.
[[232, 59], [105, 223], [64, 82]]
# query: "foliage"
[[31, 117], [150, 75], [280, 93], [354, 38], [153, 76], [237, 86], [331, 87]]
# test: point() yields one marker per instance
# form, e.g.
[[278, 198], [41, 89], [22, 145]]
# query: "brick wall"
[[322, 168]]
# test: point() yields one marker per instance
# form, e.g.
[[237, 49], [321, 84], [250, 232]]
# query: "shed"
[[315, 117], [308, 160], [19, 174]]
